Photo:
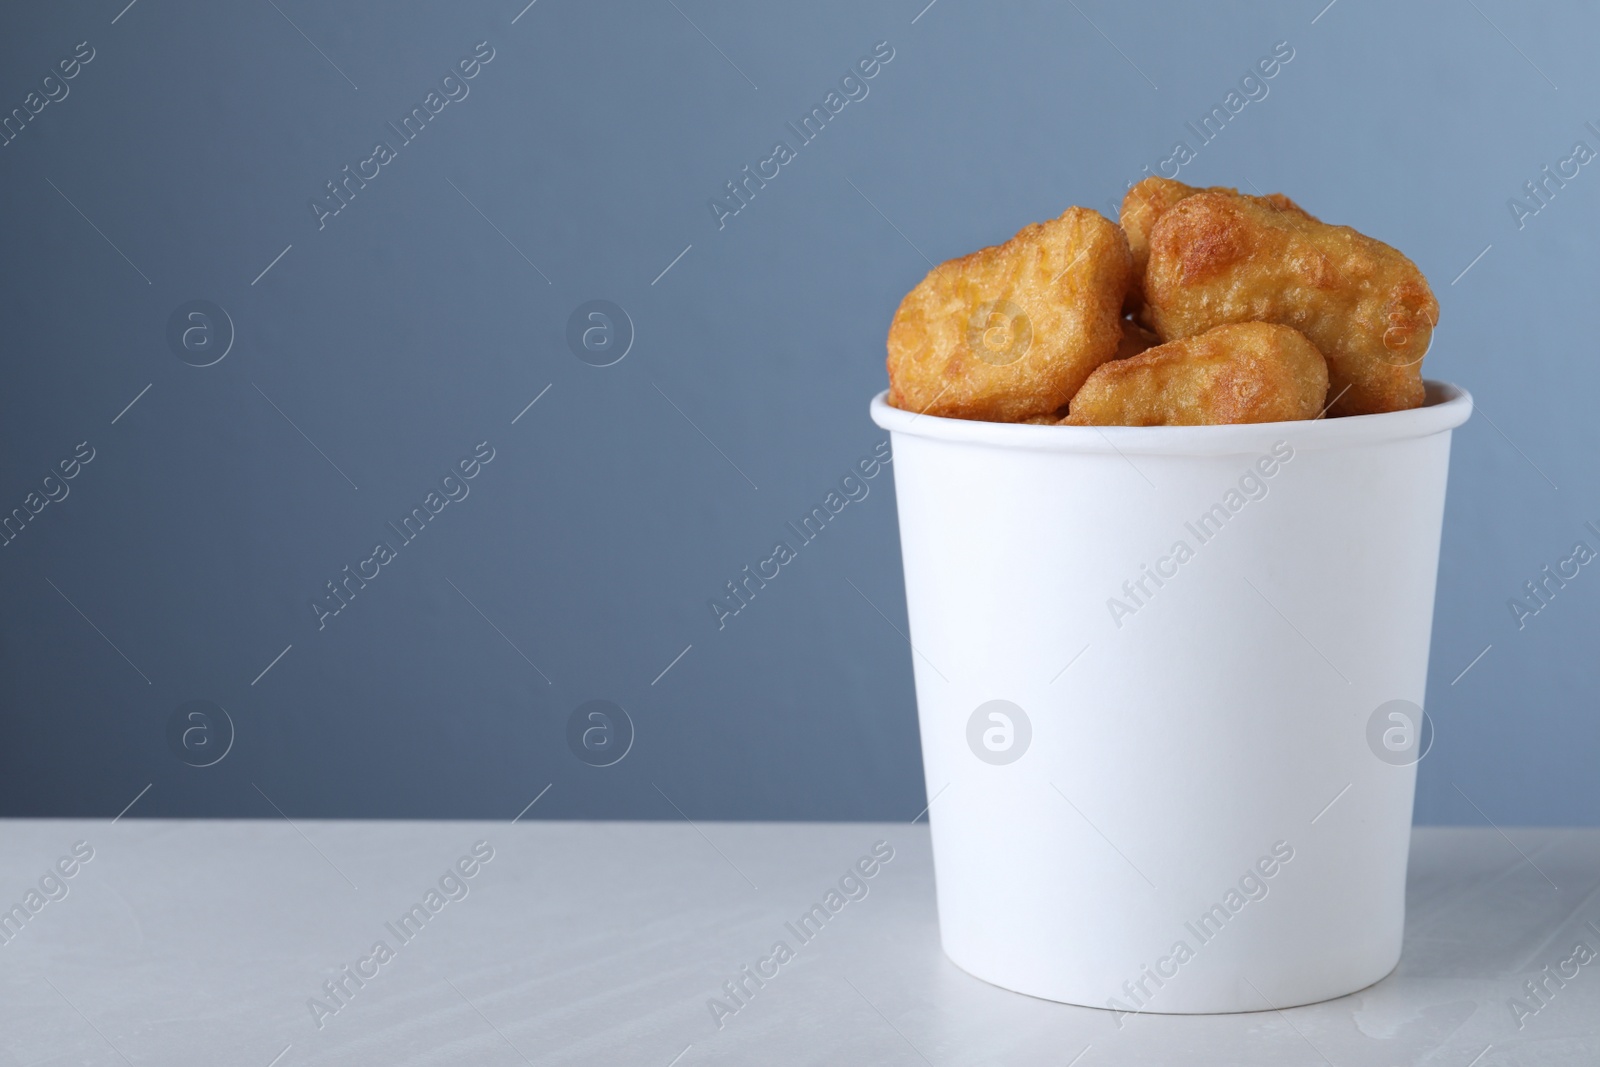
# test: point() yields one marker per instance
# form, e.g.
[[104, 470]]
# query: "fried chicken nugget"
[[1218, 258], [1012, 331], [1248, 372], [1147, 201]]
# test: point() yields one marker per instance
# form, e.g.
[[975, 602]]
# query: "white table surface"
[[201, 942]]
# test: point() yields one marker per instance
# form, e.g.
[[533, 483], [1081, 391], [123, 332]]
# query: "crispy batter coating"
[[1135, 339], [1248, 372], [1217, 258], [1012, 331], [1146, 202]]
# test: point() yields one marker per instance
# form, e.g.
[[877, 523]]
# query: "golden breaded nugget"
[[1012, 331], [1148, 201], [1249, 372], [1217, 258], [1135, 339]]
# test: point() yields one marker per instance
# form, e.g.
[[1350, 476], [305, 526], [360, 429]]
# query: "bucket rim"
[[1446, 406]]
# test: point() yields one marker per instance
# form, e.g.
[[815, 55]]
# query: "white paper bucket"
[[1195, 792]]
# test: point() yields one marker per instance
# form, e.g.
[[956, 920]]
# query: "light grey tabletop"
[[603, 943]]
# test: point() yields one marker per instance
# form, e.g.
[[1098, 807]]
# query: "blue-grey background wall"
[[376, 348]]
